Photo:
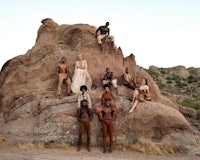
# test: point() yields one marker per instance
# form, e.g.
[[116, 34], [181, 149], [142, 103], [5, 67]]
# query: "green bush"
[[190, 79], [179, 84], [176, 78], [196, 80], [161, 85], [189, 103], [162, 71], [153, 74], [184, 84]]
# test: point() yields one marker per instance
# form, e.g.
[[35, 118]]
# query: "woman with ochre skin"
[[140, 94]]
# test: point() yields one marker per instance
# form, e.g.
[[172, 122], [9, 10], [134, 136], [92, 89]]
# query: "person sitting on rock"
[[62, 74], [128, 80], [104, 33], [84, 115], [107, 94], [107, 113], [141, 94], [108, 79], [84, 95]]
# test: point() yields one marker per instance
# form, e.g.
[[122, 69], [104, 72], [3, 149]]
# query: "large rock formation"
[[31, 111]]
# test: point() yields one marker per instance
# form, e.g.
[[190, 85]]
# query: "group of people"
[[80, 77], [82, 82], [107, 113]]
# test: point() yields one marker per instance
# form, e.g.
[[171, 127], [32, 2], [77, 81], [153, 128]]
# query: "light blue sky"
[[164, 33]]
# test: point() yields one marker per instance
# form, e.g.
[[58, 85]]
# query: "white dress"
[[80, 77]]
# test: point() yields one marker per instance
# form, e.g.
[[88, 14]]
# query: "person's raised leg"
[[99, 39], [133, 107], [114, 83], [135, 94]]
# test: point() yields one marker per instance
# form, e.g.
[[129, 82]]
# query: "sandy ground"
[[70, 153]]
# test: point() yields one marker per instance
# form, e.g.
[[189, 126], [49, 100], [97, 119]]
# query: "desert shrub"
[[196, 80], [153, 74], [161, 85], [169, 81], [162, 71], [176, 78], [189, 103], [179, 84], [168, 78], [190, 79], [184, 84]]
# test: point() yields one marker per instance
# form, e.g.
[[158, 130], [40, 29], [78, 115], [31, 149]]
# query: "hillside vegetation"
[[182, 83]]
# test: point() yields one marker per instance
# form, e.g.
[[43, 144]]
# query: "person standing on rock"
[[140, 94], [107, 113], [84, 95], [81, 75], [104, 33], [128, 81], [109, 80], [62, 74], [107, 94], [84, 115]]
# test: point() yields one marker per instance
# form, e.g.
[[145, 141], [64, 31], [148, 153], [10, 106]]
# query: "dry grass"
[[2, 138], [60, 144], [153, 148], [24, 146]]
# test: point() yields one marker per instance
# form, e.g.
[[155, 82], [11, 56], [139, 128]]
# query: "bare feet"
[[59, 96], [89, 149], [104, 150], [131, 111], [79, 148], [110, 150]]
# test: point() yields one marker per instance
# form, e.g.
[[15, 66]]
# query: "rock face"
[[31, 111], [180, 71]]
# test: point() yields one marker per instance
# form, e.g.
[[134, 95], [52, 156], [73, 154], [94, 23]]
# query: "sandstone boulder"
[[180, 71], [31, 111]]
